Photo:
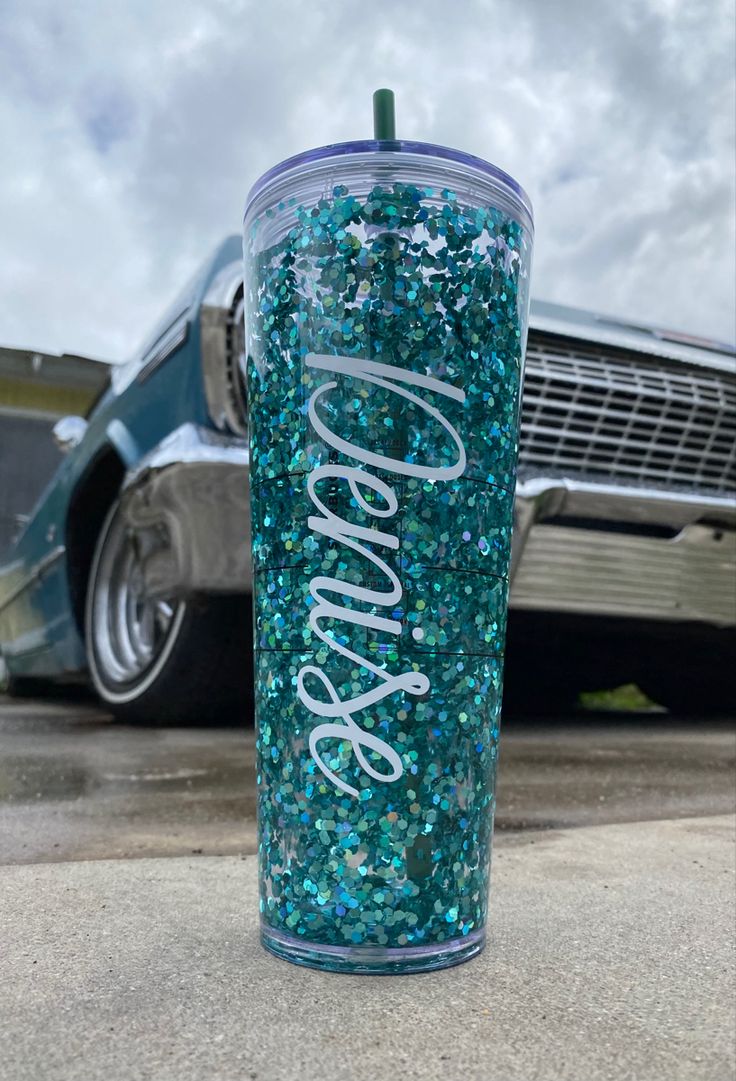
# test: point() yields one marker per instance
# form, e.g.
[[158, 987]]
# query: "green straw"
[[384, 117]]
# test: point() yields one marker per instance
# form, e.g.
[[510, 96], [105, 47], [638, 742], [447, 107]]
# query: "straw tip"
[[384, 116]]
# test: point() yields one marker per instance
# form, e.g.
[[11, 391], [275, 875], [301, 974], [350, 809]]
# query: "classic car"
[[134, 568]]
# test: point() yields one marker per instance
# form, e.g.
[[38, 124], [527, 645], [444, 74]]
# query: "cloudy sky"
[[132, 131]]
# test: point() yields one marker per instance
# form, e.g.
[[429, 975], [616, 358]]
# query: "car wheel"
[[693, 679], [162, 660], [700, 692]]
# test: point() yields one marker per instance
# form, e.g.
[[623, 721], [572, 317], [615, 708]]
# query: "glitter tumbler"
[[386, 293]]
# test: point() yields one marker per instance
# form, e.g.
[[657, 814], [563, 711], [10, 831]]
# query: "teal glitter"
[[406, 276], [389, 865]]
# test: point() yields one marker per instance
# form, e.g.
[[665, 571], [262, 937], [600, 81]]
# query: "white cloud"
[[132, 133]]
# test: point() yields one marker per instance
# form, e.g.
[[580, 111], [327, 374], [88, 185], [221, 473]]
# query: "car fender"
[[119, 437]]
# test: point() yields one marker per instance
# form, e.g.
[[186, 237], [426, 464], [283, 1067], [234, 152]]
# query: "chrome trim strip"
[[690, 578], [167, 344], [36, 572], [554, 497], [583, 327], [190, 445]]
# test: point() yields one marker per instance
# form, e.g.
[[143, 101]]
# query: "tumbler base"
[[373, 960]]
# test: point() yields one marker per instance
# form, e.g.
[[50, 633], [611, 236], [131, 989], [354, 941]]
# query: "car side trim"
[[167, 344]]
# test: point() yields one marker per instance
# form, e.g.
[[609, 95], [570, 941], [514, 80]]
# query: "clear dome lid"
[[401, 151]]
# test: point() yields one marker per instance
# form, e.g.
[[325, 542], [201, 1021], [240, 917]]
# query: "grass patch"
[[626, 699]]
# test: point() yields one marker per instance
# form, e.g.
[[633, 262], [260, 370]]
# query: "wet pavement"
[[75, 785], [611, 922]]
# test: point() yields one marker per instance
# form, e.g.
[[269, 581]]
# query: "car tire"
[[692, 674], [157, 661], [704, 691], [23, 687], [538, 697], [537, 681]]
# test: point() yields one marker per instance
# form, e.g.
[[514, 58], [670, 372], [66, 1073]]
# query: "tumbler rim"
[[398, 146]]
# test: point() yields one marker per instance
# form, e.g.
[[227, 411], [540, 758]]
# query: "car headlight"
[[223, 351], [237, 390]]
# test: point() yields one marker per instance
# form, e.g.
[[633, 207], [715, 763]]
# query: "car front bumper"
[[188, 501], [579, 547], [599, 549]]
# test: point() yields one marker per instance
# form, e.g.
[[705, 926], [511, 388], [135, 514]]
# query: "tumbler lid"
[[385, 143]]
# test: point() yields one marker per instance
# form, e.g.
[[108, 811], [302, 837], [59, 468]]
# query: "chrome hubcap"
[[130, 629]]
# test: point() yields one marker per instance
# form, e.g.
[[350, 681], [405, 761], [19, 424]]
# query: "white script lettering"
[[328, 524]]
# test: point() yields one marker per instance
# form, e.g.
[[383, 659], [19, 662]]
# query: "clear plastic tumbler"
[[386, 315]]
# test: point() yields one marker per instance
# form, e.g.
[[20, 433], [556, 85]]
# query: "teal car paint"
[[158, 391]]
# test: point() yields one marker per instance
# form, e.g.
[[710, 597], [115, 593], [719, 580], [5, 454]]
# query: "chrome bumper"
[[189, 501], [569, 557]]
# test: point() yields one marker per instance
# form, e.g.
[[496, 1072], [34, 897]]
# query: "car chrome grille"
[[644, 420]]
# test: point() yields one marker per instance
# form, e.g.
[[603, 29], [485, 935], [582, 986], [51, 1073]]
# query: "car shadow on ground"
[[80, 699]]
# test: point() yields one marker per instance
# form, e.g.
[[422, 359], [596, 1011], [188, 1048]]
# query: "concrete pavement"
[[76, 785], [612, 917], [611, 956]]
